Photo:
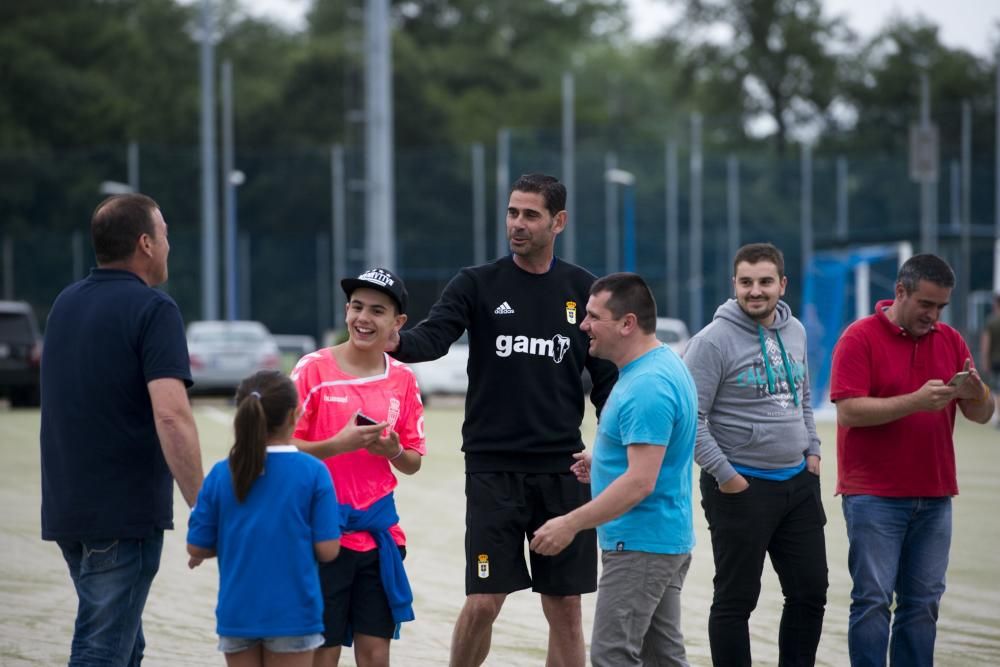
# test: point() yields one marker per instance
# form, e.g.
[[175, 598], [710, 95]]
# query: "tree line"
[[92, 75]]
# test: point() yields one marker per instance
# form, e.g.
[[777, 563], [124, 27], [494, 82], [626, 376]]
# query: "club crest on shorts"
[[571, 312], [483, 566]]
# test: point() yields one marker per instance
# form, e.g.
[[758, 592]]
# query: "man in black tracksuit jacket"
[[522, 420]]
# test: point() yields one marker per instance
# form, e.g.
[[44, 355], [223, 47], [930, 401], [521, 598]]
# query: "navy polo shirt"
[[103, 472]]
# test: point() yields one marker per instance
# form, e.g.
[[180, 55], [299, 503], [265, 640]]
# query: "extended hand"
[[581, 468], [554, 536]]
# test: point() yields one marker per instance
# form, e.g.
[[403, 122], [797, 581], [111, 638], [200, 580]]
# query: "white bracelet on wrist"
[[398, 454]]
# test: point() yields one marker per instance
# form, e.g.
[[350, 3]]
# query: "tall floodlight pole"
[[209, 223], [732, 205], [568, 166], [133, 165], [696, 281], [965, 273], [843, 219], [478, 204], [230, 180], [611, 243], [338, 207], [503, 188], [928, 233], [672, 232], [380, 209], [807, 206]]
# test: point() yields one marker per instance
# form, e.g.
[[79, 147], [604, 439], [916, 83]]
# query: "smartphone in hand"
[[361, 419], [958, 378]]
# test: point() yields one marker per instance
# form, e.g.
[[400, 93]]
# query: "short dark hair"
[[552, 191], [752, 253], [925, 267], [118, 222], [629, 294]]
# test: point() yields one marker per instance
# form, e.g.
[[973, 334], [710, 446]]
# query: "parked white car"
[[447, 374], [223, 353], [673, 332]]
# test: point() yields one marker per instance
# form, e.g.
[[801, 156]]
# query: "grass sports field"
[[37, 603]]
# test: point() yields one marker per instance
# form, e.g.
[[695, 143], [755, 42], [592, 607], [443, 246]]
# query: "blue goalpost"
[[836, 292]]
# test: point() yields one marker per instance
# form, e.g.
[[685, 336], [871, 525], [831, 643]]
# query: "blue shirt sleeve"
[[647, 416], [203, 524], [326, 510]]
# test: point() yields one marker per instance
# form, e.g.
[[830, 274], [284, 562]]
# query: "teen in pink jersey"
[[363, 602]]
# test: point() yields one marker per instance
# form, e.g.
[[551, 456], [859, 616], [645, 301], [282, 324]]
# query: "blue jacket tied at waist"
[[377, 520]]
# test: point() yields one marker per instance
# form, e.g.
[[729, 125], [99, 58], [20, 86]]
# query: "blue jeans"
[[897, 546], [112, 579]]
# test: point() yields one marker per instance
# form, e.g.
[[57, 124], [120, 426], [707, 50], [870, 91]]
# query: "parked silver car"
[[673, 332], [223, 353]]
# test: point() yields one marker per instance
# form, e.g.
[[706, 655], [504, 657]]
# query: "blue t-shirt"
[[654, 402], [103, 472], [268, 577]]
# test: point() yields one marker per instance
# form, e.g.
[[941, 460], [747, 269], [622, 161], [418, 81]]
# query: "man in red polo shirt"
[[896, 460]]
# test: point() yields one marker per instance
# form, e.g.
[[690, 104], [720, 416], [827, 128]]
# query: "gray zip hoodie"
[[749, 414]]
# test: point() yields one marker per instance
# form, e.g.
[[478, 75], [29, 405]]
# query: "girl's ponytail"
[[263, 402]]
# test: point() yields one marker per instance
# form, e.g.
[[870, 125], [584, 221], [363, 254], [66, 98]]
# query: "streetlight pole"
[[626, 179], [231, 179], [209, 225]]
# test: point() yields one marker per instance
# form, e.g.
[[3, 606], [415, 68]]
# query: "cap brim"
[[351, 284]]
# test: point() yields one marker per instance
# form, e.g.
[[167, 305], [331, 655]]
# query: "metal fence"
[[684, 212]]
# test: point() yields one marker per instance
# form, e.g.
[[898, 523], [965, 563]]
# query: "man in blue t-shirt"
[[117, 428], [641, 477]]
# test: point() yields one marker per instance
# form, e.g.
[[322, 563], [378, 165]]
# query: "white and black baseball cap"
[[381, 280]]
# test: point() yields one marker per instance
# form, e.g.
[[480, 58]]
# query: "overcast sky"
[[971, 24]]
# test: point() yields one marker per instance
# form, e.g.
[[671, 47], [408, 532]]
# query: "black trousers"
[[785, 521]]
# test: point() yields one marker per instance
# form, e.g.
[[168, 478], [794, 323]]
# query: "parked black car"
[[20, 354]]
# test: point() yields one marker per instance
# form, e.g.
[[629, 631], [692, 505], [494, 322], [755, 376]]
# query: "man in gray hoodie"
[[759, 454]]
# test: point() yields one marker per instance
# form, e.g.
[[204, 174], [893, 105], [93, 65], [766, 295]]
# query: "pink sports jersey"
[[330, 398]]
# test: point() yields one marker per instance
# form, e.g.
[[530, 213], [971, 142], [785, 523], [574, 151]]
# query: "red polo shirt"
[[913, 456]]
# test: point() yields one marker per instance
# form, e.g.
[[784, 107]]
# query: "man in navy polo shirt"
[[117, 428]]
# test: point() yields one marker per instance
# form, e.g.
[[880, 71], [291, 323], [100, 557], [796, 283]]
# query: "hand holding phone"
[[958, 378], [361, 419]]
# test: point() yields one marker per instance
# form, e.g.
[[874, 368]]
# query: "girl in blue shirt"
[[269, 512]]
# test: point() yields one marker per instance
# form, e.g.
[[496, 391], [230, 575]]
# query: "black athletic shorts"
[[504, 509], [353, 592]]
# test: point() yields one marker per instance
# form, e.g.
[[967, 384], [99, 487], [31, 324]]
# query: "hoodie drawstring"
[[784, 361]]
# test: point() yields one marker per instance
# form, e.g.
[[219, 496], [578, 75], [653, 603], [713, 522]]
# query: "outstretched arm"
[[637, 482], [447, 319]]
